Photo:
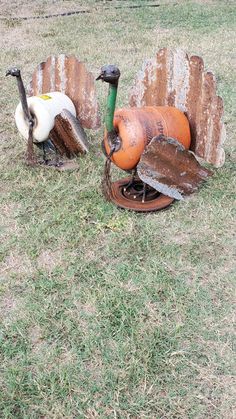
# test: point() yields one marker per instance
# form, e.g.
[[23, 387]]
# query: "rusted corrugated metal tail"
[[172, 78], [70, 76]]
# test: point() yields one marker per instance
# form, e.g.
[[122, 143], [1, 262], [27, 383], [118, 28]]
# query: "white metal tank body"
[[43, 108]]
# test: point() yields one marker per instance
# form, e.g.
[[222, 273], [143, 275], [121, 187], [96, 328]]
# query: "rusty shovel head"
[[68, 135], [170, 169]]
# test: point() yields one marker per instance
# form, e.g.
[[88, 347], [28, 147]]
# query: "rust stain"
[[161, 77], [68, 136], [116, 192], [204, 116], [70, 76], [170, 169], [175, 79], [219, 133], [195, 84]]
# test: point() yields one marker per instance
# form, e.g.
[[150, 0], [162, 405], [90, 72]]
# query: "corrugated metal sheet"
[[68, 75], [68, 136], [175, 79], [170, 169]]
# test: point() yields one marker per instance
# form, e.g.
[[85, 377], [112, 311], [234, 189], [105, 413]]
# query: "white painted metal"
[[43, 108]]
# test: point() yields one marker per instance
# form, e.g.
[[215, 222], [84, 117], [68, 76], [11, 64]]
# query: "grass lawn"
[[106, 313]]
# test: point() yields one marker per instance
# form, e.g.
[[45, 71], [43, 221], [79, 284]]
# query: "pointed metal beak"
[[13, 71]]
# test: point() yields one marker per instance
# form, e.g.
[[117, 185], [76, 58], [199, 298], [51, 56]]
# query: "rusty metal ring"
[[155, 203]]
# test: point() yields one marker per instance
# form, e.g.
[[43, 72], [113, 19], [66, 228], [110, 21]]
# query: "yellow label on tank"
[[45, 97]]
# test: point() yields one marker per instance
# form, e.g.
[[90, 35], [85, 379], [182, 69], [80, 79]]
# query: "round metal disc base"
[[131, 199]]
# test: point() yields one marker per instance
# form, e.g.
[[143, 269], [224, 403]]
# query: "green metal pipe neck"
[[111, 104]]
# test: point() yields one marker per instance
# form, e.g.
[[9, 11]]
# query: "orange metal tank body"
[[137, 126]]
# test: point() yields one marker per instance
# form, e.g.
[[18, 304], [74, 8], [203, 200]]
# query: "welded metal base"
[[131, 198]]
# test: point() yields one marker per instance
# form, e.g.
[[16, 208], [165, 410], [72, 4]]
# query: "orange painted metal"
[[137, 126]]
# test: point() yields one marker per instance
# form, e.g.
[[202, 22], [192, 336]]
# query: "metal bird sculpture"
[[152, 142], [61, 133]]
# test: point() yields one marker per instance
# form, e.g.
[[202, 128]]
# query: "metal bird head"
[[109, 73], [13, 71]]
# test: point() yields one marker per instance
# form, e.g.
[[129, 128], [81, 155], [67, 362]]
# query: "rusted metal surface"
[[154, 201], [170, 169], [68, 135], [175, 79], [68, 75], [132, 198]]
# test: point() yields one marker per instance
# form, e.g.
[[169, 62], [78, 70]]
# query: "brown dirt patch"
[[50, 259], [16, 264]]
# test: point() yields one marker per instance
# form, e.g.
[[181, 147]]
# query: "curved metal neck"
[[111, 104], [23, 99]]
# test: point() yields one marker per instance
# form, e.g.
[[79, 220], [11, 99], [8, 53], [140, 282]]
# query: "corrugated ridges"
[[68, 75], [68, 136], [174, 79], [170, 169]]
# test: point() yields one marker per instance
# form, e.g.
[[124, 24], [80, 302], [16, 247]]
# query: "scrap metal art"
[[68, 135], [70, 76], [152, 142], [175, 79], [156, 168], [174, 116], [63, 104]]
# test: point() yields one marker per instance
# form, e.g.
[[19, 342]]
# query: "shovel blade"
[[170, 169]]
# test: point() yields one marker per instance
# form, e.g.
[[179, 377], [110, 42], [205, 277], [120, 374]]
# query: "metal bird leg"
[[30, 158], [130, 183], [131, 187], [144, 192], [57, 162], [44, 153]]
